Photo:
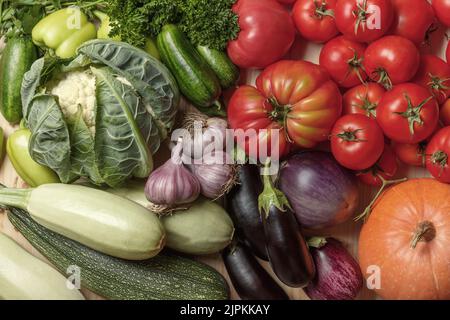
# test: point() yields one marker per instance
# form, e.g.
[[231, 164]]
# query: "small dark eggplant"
[[242, 205], [249, 278], [287, 249], [338, 276]]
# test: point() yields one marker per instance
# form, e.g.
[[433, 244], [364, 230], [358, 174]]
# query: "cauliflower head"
[[76, 90]]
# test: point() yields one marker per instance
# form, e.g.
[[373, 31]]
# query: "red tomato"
[[364, 20], [386, 167], [315, 19], [438, 155], [297, 98], [445, 113], [442, 11], [357, 141], [343, 60], [434, 74], [412, 19], [267, 33], [363, 99], [286, 1], [447, 54], [408, 113], [412, 154], [391, 60]]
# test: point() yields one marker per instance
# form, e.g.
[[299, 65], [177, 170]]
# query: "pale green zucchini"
[[204, 228], [95, 218], [24, 277]]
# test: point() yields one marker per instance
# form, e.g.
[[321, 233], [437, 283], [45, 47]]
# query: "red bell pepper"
[[267, 33]]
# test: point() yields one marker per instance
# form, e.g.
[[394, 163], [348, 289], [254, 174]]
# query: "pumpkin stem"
[[386, 183], [425, 232]]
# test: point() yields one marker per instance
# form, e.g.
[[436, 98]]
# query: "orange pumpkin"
[[407, 236]]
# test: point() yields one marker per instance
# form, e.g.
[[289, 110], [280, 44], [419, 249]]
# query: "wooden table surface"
[[347, 232]]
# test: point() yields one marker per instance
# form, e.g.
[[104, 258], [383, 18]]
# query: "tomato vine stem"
[[385, 183]]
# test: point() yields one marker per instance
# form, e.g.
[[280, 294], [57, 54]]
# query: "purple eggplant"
[[249, 278], [288, 251], [242, 204], [338, 276], [321, 192]]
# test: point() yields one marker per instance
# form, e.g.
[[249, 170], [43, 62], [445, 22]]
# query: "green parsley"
[[206, 22]]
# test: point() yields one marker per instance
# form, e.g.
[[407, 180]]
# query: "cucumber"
[[223, 67], [98, 219], [196, 79], [17, 58], [166, 276], [24, 277]]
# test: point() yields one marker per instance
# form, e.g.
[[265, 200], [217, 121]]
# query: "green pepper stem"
[[18, 198], [271, 196]]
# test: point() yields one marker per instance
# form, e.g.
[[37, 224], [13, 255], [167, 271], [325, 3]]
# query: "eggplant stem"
[[317, 242], [385, 183], [271, 196]]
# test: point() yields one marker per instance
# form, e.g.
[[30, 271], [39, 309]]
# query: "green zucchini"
[[165, 276], [25, 277], [100, 220], [17, 58], [196, 79], [223, 67]]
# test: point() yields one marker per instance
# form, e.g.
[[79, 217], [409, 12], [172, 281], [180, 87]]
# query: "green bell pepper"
[[64, 31], [30, 171]]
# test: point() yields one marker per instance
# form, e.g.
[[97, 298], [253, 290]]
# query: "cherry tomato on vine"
[[434, 74], [363, 99], [412, 154], [364, 20], [386, 167], [391, 60], [343, 60], [357, 141], [413, 19], [315, 19], [445, 113], [438, 155], [408, 113], [442, 11]]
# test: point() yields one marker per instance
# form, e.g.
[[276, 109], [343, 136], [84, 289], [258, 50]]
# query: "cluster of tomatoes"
[[395, 102]]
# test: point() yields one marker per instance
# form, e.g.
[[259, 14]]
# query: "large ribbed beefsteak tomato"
[[297, 99], [407, 236]]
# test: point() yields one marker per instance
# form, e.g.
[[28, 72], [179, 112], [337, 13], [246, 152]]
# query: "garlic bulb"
[[172, 184], [216, 178], [207, 134]]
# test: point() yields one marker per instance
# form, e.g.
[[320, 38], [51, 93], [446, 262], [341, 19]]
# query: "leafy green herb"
[[210, 23]]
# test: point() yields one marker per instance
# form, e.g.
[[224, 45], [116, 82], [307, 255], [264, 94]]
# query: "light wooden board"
[[347, 232]]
